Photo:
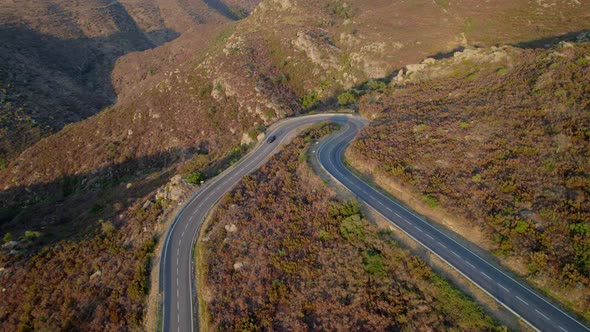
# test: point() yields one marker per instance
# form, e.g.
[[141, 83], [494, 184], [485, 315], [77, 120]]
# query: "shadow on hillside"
[[551, 41], [222, 8], [446, 55], [71, 206], [57, 81]]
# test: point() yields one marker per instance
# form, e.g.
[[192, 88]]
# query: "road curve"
[[518, 298], [179, 305], [176, 274]]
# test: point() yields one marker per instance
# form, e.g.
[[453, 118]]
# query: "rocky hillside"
[[494, 144], [286, 58]]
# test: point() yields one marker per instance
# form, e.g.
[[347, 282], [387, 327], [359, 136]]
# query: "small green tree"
[[32, 235], [7, 238], [309, 101], [195, 177], [346, 98]]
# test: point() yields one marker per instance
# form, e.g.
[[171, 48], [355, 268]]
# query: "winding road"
[[176, 271]]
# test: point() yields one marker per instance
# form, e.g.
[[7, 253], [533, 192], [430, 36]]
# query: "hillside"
[[494, 144], [56, 57], [191, 107], [282, 252]]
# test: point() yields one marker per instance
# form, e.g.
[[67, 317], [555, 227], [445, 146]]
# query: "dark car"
[[271, 139]]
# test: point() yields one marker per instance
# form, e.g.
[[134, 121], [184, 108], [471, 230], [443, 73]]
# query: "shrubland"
[[187, 106], [282, 252], [495, 140]]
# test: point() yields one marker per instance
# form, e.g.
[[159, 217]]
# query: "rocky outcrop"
[[175, 190], [320, 53], [461, 61]]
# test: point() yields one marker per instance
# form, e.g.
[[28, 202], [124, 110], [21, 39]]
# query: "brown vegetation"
[[282, 253], [184, 106], [499, 138], [91, 284]]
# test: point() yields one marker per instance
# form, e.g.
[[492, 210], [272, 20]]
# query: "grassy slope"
[[499, 140], [310, 261]]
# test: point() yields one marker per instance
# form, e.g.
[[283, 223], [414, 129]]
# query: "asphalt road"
[[176, 272], [519, 299], [180, 307]]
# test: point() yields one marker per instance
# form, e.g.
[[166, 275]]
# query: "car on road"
[[271, 139]]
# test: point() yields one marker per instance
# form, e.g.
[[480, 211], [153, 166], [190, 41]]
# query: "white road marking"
[[521, 300], [561, 328], [456, 254], [504, 288], [540, 313], [473, 266], [442, 245], [430, 237], [487, 276]]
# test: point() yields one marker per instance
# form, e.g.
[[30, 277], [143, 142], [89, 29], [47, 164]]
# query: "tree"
[[347, 98], [195, 177], [7, 237]]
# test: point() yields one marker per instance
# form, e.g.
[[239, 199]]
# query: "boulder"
[[146, 205], [9, 245], [96, 274], [246, 139], [413, 68], [231, 228], [428, 61], [176, 179], [176, 193], [399, 78]]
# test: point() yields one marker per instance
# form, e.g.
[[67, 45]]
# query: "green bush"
[[375, 85], [373, 264], [351, 228], [324, 236], [431, 201], [476, 178], [347, 98], [32, 235], [195, 177], [309, 101], [7, 238]]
